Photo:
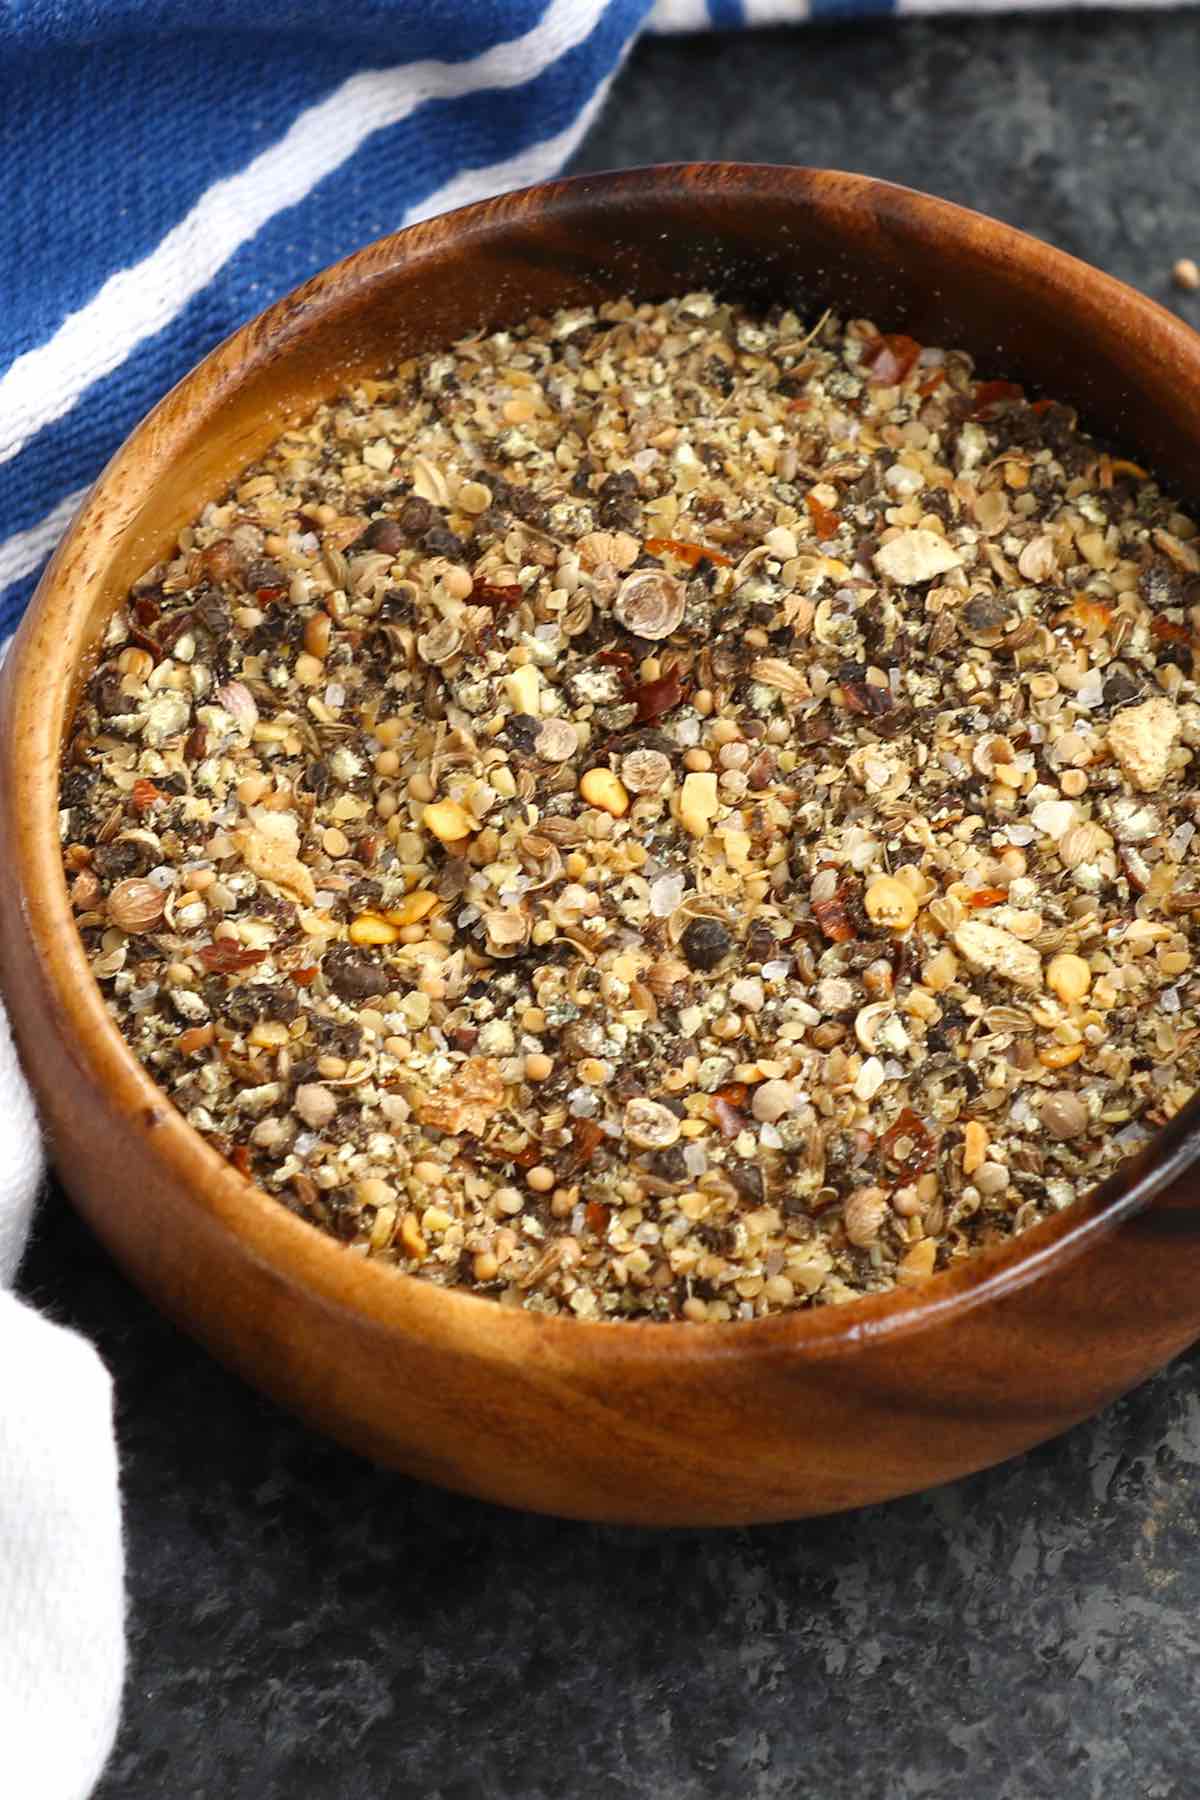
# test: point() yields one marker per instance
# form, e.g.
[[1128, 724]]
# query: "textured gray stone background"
[[305, 1627]]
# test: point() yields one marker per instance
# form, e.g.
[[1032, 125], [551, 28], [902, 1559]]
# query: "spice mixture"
[[662, 812]]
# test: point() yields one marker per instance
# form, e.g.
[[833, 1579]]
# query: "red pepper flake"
[[224, 957], [728, 1120], [597, 1217], [833, 919], [866, 699], [1092, 615], [1169, 631], [825, 522], [269, 594], [145, 642], [734, 1093], [654, 698], [988, 896], [924, 1149], [586, 1138], [146, 797], [221, 562], [195, 748], [891, 358], [622, 661], [239, 1156], [1041, 406], [487, 593], [174, 628], [1136, 870], [691, 554], [801, 403], [931, 383], [305, 977], [994, 393]]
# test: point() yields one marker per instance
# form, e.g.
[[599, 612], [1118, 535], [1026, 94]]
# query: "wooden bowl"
[[661, 1424]]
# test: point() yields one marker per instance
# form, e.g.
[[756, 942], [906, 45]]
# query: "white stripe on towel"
[[22, 553], [137, 302]]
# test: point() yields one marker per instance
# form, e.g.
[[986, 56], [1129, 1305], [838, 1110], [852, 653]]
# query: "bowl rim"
[[264, 1230]]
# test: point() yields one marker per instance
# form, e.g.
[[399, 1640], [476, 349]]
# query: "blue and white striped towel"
[[165, 171]]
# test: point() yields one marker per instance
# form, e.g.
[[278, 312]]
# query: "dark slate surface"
[[303, 1625]]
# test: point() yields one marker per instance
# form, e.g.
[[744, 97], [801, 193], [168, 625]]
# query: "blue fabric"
[[361, 200], [223, 153], [120, 116]]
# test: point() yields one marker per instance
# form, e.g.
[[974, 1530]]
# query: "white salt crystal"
[[665, 895]]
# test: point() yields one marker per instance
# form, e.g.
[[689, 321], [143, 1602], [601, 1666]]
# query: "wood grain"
[[681, 1424]]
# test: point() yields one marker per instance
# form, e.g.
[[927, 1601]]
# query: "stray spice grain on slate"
[[662, 812]]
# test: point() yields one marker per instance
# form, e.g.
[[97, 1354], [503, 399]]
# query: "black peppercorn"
[[521, 730], [108, 692], [353, 977], [1120, 686], [211, 613], [118, 861], [440, 541], [417, 516], [986, 612], [705, 943], [384, 535], [364, 894]]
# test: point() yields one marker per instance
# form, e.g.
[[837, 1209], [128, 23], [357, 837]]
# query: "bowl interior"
[[808, 239]]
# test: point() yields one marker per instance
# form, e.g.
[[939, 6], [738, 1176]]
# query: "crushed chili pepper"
[[728, 1119], [196, 744], [688, 553], [597, 1217], [1092, 615], [586, 1138], [145, 641], [734, 1093], [622, 662], [891, 358], [223, 957], [989, 394], [825, 521], [832, 917], [145, 796], [488, 593], [866, 698], [527, 1158], [1169, 631], [924, 1152], [1135, 869], [654, 698]]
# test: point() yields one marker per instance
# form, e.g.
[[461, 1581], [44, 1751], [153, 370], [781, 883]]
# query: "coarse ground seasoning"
[[662, 812]]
